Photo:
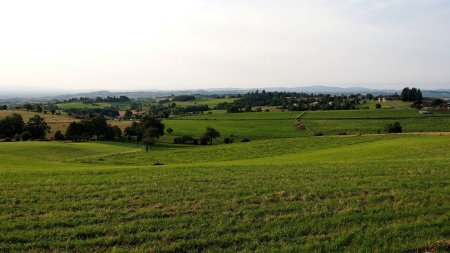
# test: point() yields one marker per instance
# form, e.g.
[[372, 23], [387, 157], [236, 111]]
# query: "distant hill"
[[443, 93], [41, 94]]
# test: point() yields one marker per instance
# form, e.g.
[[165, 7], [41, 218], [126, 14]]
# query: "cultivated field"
[[384, 193]]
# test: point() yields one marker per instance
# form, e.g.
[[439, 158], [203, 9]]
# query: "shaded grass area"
[[386, 193]]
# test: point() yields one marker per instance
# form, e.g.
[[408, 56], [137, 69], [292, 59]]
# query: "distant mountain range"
[[61, 95]]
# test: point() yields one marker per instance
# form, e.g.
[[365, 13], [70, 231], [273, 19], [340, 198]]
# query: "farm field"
[[396, 104], [99, 105], [200, 100], [362, 114], [222, 115], [369, 193], [372, 126], [253, 129]]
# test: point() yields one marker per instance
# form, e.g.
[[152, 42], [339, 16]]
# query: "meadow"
[[370, 193], [201, 100]]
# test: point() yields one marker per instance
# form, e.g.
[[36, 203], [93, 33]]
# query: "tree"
[[437, 102], [39, 108], [25, 136], [4, 107], [28, 107], [37, 127], [378, 106], [211, 133], [79, 131], [394, 128], [11, 125], [128, 114], [152, 129], [100, 127], [58, 136]]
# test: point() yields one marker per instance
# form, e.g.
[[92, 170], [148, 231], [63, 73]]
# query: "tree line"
[[13, 126]]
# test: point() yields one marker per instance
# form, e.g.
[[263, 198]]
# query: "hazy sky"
[[224, 43]]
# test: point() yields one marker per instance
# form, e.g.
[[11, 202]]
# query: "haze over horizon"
[[145, 45]]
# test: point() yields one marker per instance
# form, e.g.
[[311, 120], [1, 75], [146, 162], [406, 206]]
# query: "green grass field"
[[362, 114], [374, 193], [282, 191], [80, 105]]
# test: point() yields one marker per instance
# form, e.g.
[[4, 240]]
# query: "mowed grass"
[[252, 129], [372, 126], [361, 114], [354, 194]]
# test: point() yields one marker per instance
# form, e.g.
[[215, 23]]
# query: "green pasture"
[[80, 105], [396, 104], [200, 100], [308, 194], [95, 105], [222, 115], [371, 126], [252, 129], [362, 114]]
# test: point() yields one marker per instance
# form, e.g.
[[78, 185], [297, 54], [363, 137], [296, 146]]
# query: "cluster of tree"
[[39, 108], [294, 101], [412, 95], [438, 102], [164, 111], [147, 131], [13, 126], [82, 113], [206, 138], [108, 99], [88, 129], [183, 98], [4, 107]]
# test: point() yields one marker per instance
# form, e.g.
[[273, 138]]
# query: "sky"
[[179, 44]]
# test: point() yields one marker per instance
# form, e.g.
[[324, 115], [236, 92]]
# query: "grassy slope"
[[385, 193]]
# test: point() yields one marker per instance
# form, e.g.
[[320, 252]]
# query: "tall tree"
[[211, 133], [11, 125], [37, 127], [152, 129]]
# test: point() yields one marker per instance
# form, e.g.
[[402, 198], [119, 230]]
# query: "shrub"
[[318, 134], [185, 139], [245, 140], [169, 130], [378, 106], [394, 128], [228, 140], [17, 137], [7, 139], [59, 136], [204, 140], [342, 133], [25, 136]]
